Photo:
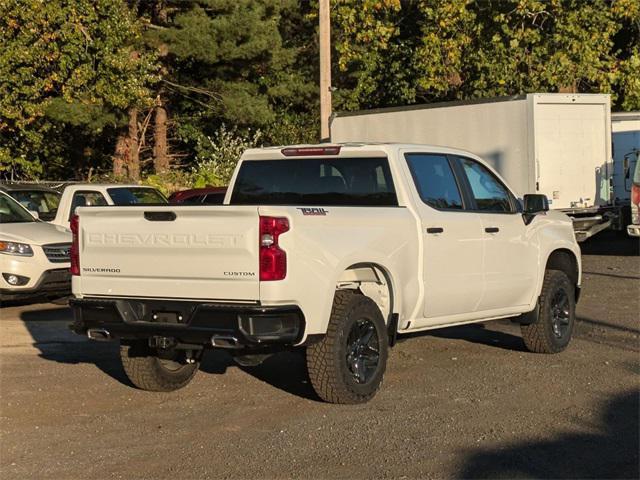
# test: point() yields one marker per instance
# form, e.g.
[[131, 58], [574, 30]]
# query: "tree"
[[627, 50], [533, 45], [395, 53], [69, 72], [226, 62], [392, 52]]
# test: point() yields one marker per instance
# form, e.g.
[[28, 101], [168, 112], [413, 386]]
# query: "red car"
[[205, 196]]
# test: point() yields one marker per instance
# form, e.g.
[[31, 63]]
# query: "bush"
[[217, 156], [169, 182]]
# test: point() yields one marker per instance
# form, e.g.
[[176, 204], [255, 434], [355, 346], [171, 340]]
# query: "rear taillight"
[[75, 249], [635, 194], [273, 260], [635, 204]]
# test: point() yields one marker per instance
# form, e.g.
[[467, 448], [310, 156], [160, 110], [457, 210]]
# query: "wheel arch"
[[566, 261], [375, 281]]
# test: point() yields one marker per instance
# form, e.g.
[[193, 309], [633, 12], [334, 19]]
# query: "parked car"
[[205, 196], [34, 255], [35, 198], [634, 228], [91, 194], [336, 248]]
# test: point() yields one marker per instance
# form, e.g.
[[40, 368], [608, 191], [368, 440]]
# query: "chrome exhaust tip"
[[224, 341], [98, 334]]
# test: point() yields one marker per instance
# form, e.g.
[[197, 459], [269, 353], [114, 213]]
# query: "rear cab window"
[[135, 196], [86, 198], [341, 181]]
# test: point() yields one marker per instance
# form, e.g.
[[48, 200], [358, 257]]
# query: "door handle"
[[492, 229], [160, 216], [435, 230]]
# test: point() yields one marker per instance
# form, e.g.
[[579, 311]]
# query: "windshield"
[[636, 172], [135, 196], [315, 182], [45, 203], [12, 212]]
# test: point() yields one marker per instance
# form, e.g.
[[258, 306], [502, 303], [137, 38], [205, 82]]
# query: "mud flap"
[[529, 317]]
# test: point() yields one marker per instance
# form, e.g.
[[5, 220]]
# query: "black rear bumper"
[[188, 322]]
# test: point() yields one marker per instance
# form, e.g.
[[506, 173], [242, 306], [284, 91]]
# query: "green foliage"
[[170, 181], [69, 70], [227, 62], [396, 53], [627, 50], [217, 156], [532, 45], [236, 73]]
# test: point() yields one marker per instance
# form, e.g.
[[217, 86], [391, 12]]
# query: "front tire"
[[553, 326], [347, 366], [150, 369]]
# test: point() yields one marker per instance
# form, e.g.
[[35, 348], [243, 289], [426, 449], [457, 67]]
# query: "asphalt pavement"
[[465, 402]]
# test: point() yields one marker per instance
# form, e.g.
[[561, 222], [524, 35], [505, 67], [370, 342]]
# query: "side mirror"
[[625, 167], [535, 203], [34, 214]]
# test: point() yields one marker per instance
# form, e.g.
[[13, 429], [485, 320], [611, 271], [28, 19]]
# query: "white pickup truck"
[[334, 248], [95, 194]]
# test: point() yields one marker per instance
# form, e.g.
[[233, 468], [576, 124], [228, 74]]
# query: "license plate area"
[[160, 316], [165, 312]]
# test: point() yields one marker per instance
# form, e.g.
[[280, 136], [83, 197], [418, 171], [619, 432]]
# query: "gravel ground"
[[460, 402]]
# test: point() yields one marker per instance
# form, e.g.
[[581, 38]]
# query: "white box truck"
[[625, 132], [555, 144]]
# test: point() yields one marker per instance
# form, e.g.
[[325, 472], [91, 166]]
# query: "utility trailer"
[[550, 143]]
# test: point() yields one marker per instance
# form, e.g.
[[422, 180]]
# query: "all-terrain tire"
[[327, 361], [540, 336], [149, 372]]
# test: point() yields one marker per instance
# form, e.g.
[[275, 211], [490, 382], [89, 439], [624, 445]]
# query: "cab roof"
[[24, 187], [357, 149]]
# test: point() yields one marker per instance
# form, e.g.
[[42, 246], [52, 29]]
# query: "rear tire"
[[556, 317], [347, 366], [148, 371]]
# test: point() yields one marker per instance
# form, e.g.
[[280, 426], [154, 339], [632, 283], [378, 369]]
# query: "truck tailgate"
[[182, 252]]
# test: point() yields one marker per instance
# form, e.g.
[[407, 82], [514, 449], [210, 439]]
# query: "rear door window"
[[315, 181], [435, 181]]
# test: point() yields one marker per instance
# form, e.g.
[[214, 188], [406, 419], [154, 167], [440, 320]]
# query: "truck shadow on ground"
[[609, 452], [51, 336], [286, 371], [611, 243], [48, 328], [474, 333]]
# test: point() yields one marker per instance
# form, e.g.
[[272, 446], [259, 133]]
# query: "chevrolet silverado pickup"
[[334, 249]]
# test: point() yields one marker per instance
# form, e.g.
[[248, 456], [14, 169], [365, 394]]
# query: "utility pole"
[[325, 70]]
